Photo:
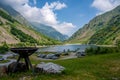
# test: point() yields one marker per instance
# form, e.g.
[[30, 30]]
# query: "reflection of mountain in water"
[[61, 48]]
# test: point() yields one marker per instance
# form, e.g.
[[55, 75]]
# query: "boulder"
[[42, 55], [49, 68], [80, 54], [58, 54], [49, 56], [3, 71], [21, 67]]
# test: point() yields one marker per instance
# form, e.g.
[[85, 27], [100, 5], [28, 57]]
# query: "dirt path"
[[71, 55]]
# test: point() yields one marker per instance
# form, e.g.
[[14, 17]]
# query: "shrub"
[[4, 48], [21, 35], [101, 50]]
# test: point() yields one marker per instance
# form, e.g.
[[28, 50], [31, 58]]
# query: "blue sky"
[[79, 12], [66, 16]]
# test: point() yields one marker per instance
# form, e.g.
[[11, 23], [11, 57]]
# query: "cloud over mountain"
[[105, 5], [45, 15]]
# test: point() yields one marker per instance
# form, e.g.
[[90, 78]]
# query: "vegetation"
[[4, 48], [118, 43], [110, 32], [96, 67], [1, 23], [101, 50], [21, 33], [6, 16], [49, 31], [103, 29], [22, 36], [4, 61]]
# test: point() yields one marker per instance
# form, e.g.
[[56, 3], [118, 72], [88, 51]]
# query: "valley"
[[40, 43]]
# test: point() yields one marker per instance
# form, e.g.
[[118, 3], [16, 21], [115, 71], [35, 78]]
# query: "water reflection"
[[62, 48]]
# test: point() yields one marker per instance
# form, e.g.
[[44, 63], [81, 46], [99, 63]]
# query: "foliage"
[[22, 36], [118, 43], [49, 31], [96, 67], [4, 48], [101, 50], [103, 29], [1, 23], [6, 16], [4, 61], [107, 34]]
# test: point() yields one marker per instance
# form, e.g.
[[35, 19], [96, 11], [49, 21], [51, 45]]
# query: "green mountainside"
[[13, 32], [49, 31], [103, 29], [37, 26]]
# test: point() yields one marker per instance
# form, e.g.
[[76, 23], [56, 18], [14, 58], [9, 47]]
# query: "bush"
[[4, 48], [101, 50], [118, 43], [22, 36], [6, 16]]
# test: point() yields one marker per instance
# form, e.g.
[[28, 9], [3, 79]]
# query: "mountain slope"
[[49, 31], [13, 32], [44, 29], [98, 30], [13, 13]]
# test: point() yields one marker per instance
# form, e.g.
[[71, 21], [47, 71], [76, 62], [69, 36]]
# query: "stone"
[[21, 67], [42, 55], [80, 54], [49, 56], [3, 71], [50, 68]]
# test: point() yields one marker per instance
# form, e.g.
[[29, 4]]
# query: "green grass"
[[4, 61], [96, 67]]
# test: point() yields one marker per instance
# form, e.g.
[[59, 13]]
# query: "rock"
[[3, 71], [21, 67], [42, 55], [49, 68], [1, 59], [58, 54], [80, 54], [49, 56]]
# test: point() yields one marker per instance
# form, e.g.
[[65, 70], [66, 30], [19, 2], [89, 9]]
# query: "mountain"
[[16, 15], [103, 29], [44, 29], [49, 31], [13, 31]]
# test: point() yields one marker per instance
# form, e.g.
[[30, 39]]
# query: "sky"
[[66, 16]]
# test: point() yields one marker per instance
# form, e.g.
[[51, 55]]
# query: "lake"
[[61, 48]]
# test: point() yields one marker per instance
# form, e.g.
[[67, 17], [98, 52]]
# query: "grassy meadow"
[[95, 67]]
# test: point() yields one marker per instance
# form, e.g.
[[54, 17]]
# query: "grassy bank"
[[96, 67]]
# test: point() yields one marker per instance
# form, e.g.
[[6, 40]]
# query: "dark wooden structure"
[[24, 52]]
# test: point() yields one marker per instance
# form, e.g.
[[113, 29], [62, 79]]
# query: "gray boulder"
[[50, 67], [80, 54], [49, 56], [42, 55]]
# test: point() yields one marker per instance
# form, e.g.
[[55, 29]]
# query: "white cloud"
[[66, 28], [57, 5], [105, 5], [44, 15]]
